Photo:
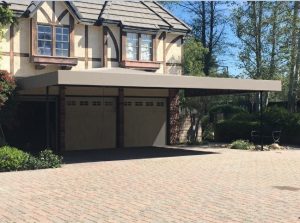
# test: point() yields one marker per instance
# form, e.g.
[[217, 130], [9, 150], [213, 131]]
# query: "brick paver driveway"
[[159, 186]]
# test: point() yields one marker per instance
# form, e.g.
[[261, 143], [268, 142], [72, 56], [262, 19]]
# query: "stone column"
[[173, 117], [62, 118]]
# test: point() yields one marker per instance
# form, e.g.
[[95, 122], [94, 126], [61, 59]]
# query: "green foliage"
[[12, 159], [227, 110], [49, 159], [241, 144], [277, 118], [193, 57], [6, 16], [244, 116], [7, 86], [240, 125], [229, 130]]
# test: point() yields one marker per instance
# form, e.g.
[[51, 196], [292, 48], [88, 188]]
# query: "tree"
[[6, 18], [262, 30], [194, 54], [294, 60], [208, 25], [7, 83]]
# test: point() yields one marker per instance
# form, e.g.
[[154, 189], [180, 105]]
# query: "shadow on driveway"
[[128, 154]]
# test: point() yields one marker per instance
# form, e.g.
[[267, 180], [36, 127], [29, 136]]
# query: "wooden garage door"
[[145, 122], [90, 123]]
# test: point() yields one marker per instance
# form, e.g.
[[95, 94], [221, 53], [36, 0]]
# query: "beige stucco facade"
[[90, 55]]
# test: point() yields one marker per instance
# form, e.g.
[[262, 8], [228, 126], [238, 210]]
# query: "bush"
[[245, 117], [49, 159], [241, 144], [7, 85], [230, 130], [12, 159], [34, 163], [227, 110], [240, 125]]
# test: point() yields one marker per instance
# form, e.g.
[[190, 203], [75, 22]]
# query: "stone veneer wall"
[[173, 117]]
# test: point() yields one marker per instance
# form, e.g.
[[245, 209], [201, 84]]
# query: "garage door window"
[[160, 104], [96, 103]]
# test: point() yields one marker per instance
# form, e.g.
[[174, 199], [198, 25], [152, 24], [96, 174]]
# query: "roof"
[[132, 14], [122, 77]]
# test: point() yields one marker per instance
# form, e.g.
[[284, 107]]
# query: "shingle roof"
[[137, 14]]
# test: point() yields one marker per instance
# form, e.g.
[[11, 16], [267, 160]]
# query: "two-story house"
[[101, 74]]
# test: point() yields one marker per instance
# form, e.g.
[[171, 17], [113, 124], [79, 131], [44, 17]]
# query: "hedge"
[[241, 125], [230, 130]]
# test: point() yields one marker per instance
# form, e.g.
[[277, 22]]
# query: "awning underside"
[[121, 77]]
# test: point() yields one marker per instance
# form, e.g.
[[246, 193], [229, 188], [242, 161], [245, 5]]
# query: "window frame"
[[54, 44], [139, 52], [53, 39]]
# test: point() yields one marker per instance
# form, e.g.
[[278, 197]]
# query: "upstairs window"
[[62, 41], [132, 46], [46, 42], [146, 47], [139, 47]]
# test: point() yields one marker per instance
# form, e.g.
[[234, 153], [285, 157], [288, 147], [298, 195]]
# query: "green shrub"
[[245, 117], [241, 144], [227, 110], [240, 125], [49, 160], [34, 163], [229, 130], [12, 159]]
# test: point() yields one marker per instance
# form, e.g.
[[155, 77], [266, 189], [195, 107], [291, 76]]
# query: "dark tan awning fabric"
[[121, 77]]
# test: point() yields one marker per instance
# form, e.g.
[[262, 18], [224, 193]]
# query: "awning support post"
[[261, 121], [47, 119]]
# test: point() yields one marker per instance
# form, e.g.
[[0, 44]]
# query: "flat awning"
[[121, 77]]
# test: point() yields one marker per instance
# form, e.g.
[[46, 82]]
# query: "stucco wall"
[[92, 57]]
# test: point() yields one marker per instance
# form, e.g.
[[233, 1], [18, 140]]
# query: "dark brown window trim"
[[41, 59], [146, 65], [53, 59], [153, 64]]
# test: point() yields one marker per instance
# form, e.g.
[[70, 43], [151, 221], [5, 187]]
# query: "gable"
[[53, 13]]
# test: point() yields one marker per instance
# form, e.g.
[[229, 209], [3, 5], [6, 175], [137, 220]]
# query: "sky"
[[230, 57]]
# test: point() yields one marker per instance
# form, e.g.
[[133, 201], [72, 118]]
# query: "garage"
[[145, 122], [90, 123]]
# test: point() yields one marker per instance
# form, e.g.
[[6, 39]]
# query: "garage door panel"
[[90, 123], [145, 122]]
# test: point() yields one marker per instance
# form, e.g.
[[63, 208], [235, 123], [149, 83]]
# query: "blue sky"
[[230, 56]]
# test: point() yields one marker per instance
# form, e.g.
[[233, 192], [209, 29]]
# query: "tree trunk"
[[291, 91], [203, 23], [296, 77], [257, 10], [273, 40]]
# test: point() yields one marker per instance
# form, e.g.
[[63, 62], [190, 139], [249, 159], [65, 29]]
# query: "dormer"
[[52, 35]]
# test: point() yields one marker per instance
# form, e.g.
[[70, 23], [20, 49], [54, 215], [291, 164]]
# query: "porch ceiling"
[[121, 77]]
